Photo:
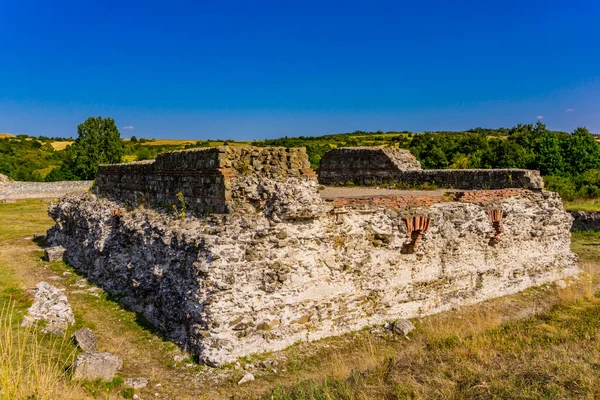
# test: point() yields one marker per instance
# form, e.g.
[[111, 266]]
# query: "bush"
[[563, 186], [589, 191]]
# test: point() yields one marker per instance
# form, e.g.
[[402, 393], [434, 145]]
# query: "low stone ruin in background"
[[235, 250]]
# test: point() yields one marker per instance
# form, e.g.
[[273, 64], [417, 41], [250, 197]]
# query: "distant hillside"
[[4, 135]]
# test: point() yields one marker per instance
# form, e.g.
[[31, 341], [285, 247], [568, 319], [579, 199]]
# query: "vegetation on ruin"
[[497, 349]]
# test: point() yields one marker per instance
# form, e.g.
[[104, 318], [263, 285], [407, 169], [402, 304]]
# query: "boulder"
[[85, 340], [54, 253], [96, 365]]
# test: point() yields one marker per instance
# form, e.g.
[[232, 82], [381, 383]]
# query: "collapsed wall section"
[[228, 286], [378, 166], [211, 180]]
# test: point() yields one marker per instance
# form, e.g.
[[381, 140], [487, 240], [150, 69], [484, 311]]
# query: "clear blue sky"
[[256, 69]]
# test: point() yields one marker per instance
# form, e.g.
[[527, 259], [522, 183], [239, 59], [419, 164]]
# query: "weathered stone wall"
[[297, 268], [12, 190], [209, 179], [585, 220], [379, 166]]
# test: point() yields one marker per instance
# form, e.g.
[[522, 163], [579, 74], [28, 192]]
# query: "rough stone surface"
[[585, 220], [85, 340], [4, 180], [136, 383], [97, 365], [212, 180], [367, 160], [55, 253], [226, 286], [377, 166], [402, 327], [50, 305], [12, 190]]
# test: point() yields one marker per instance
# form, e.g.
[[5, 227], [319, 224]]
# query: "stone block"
[[54, 253], [85, 340], [96, 365]]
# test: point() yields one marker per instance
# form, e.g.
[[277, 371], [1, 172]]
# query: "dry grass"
[[61, 145], [5, 135], [31, 366]]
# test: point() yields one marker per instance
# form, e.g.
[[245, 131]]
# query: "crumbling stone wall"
[[275, 263], [12, 190], [212, 180], [378, 166], [230, 285], [585, 220]]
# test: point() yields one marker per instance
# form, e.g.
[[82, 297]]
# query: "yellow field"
[[5, 135], [60, 145], [175, 142]]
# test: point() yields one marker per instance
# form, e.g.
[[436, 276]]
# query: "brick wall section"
[[206, 177], [480, 197], [378, 166]]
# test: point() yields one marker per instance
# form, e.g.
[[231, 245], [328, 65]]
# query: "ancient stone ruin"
[[258, 256], [376, 166]]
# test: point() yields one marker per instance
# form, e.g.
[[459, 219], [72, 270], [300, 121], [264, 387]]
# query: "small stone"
[[178, 358], [247, 378], [136, 383], [85, 340], [561, 284], [402, 327], [97, 365], [54, 253]]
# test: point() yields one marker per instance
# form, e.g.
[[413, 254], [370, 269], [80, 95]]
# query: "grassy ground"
[[542, 343], [583, 205]]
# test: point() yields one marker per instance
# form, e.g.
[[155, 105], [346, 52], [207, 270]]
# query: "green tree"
[[550, 159], [98, 142], [583, 152]]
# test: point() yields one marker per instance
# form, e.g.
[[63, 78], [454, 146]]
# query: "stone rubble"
[[52, 306]]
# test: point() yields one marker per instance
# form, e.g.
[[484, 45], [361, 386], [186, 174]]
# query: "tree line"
[[569, 162]]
